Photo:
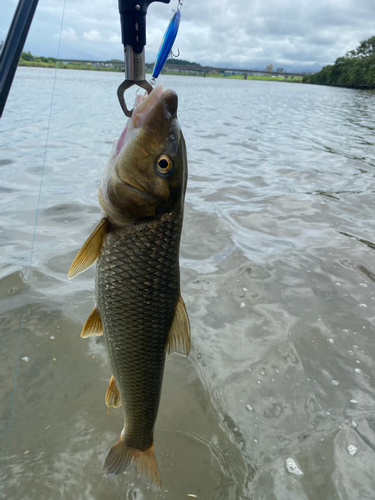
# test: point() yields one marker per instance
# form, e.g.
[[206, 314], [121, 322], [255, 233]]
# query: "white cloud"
[[92, 36], [68, 34], [295, 34], [114, 38], [95, 36]]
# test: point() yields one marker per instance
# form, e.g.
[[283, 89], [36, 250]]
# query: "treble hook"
[[174, 55]]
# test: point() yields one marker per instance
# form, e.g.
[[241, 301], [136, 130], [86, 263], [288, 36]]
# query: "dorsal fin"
[[89, 252]]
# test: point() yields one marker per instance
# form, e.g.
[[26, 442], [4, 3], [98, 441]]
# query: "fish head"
[[147, 171]]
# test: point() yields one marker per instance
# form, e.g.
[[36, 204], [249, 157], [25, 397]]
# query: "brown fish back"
[[137, 289]]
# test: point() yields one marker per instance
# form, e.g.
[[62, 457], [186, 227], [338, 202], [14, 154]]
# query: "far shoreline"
[[76, 66]]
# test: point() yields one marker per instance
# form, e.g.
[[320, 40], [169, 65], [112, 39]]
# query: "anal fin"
[[90, 250], [112, 397], [121, 455], [93, 326], [179, 335]]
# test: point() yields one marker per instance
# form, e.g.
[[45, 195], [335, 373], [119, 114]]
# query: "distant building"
[[269, 68], [280, 70]]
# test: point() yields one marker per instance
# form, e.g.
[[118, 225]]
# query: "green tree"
[[26, 56], [356, 68], [181, 62], [366, 47]]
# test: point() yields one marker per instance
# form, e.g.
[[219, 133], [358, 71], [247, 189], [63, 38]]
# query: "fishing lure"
[[167, 43]]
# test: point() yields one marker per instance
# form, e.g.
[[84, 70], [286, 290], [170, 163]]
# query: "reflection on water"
[[278, 274]]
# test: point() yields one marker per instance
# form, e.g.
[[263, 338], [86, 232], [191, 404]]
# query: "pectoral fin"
[[89, 252], [113, 398], [93, 326], [179, 334]]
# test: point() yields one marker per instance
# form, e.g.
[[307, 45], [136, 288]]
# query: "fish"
[[139, 309]]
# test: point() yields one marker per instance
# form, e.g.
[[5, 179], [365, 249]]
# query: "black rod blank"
[[13, 46]]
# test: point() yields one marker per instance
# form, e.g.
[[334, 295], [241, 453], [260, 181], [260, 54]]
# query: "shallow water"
[[278, 276]]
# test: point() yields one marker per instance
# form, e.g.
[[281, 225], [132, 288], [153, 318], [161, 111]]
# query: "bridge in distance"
[[189, 67]]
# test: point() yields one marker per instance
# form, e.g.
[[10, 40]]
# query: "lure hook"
[[175, 55]]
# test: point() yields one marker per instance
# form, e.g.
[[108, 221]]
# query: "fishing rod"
[[13, 46], [133, 34]]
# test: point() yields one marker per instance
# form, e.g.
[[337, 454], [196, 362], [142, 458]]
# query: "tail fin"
[[120, 456]]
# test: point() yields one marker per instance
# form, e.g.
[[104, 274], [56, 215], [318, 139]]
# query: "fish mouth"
[[143, 104], [144, 108], [164, 103]]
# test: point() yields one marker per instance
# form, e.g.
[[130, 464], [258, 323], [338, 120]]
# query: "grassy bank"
[[356, 69], [37, 63], [29, 60], [295, 79]]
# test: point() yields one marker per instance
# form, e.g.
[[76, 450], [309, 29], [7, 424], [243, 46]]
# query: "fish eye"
[[164, 165]]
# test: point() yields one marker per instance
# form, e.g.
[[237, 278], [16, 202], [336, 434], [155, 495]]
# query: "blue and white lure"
[[167, 42]]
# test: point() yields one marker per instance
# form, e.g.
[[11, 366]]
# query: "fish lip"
[[168, 101], [144, 112], [144, 106]]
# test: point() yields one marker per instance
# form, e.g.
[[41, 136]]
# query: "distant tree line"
[[181, 62], [356, 68], [27, 59], [27, 56]]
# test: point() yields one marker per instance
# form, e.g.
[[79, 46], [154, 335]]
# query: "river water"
[[278, 276]]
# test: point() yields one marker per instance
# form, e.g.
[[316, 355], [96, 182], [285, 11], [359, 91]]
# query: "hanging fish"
[[167, 43], [139, 309]]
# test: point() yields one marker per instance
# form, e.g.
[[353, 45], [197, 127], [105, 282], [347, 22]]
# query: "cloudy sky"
[[298, 35]]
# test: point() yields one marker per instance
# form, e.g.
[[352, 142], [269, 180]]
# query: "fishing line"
[[6, 432]]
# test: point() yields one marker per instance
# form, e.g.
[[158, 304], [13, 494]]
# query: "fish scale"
[[137, 289]]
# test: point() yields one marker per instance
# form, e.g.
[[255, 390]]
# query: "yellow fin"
[[93, 326], [113, 398], [147, 466], [121, 455], [89, 252], [179, 334]]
